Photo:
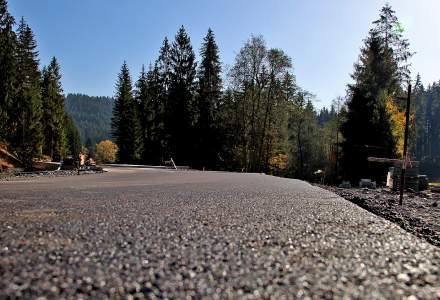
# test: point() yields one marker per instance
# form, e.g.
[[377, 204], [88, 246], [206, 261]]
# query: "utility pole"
[[338, 100], [405, 145]]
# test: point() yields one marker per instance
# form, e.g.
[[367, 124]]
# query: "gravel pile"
[[33, 175], [419, 214]]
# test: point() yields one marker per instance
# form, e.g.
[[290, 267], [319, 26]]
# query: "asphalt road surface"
[[165, 234]]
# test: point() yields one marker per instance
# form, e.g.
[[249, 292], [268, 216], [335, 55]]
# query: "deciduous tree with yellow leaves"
[[106, 152]]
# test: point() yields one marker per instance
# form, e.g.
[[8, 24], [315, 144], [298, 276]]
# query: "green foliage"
[[308, 154], [208, 101], [26, 115], [8, 67], [92, 116], [180, 110], [257, 107], [390, 31], [183, 112], [53, 120], [426, 138], [90, 148], [72, 137], [379, 74], [125, 124], [267, 121], [32, 117]]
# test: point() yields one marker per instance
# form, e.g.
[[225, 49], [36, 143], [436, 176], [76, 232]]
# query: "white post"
[[175, 167]]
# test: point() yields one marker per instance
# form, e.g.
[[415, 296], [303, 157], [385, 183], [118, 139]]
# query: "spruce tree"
[[125, 123], [151, 95], [145, 115], [26, 115], [420, 141], [379, 76], [72, 137], [90, 148], [159, 81], [367, 130], [390, 30], [8, 43], [164, 65], [53, 120], [158, 99], [209, 93], [180, 107]]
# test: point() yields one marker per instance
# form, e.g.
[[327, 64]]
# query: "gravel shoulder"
[[165, 234], [21, 176], [419, 214]]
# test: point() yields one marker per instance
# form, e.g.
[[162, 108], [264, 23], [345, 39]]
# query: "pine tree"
[[125, 123], [146, 115], [180, 107], [379, 76], [390, 30], [72, 137], [159, 81], [8, 44], [164, 65], [368, 129], [28, 136], [53, 120], [209, 93], [151, 95], [90, 148]]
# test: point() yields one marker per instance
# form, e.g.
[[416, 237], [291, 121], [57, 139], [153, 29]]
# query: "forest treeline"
[[376, 102], [426, 131], [33, 121], [92, 116], [253, 118]]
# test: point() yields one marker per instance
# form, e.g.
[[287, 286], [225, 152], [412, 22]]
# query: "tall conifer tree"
[[53, 120], [368, 128], [28, 136], [180, 106], [150, 94], [391, 31], [125, 123], [145, 114], [159, 81], [164, 65], [209, 93], [72, 137], [8, 42]]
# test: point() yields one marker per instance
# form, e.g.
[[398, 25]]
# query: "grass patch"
[[434, 184]]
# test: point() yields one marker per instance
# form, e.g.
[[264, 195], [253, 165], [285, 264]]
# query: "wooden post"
[[405, 145], [175, 167]]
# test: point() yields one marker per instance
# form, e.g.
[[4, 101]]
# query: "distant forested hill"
[[92, 116]]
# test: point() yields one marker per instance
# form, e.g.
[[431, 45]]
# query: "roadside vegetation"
[[33, 121], [254, 116], [106, 152], [251, 116]]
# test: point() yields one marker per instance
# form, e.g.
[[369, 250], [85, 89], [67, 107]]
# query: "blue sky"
[[91, 38]]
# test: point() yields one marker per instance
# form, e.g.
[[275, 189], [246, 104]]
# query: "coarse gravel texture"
[[419, 213], [133, 233], [21, 176]]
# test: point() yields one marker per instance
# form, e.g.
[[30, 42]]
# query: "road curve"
[[166, 234]]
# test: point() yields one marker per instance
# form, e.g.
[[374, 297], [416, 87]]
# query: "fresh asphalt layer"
[[186, 234]]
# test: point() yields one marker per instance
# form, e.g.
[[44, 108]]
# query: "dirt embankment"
[[419, 214]]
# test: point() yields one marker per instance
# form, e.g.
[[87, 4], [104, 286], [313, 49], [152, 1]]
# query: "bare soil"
[[419, 214]]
